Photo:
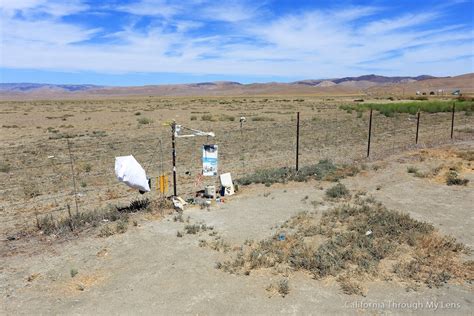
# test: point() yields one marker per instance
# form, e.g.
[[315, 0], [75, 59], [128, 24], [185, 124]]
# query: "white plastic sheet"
[[130, 172], [226, 182]]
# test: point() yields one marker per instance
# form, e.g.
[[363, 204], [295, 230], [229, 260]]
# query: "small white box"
[[210, 191]]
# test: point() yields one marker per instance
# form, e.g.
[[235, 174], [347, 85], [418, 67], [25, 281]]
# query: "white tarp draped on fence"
[[130, 172]]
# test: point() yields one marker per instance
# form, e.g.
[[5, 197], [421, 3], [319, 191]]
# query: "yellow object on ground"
[[163, 180]]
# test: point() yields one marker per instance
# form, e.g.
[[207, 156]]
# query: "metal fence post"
[[452, 120], [417, 126], [297, 139], [173, 142], [71, 162], [370, 133]]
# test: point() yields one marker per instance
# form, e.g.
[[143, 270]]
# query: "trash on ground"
[[210, 191], [227, 185], [179, 203]]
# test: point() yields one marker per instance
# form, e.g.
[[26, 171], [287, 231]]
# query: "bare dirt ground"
[[149, 270]]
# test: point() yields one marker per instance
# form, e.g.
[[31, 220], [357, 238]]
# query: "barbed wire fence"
[[46, 177]]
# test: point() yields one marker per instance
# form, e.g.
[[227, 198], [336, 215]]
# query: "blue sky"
[[137, 42]]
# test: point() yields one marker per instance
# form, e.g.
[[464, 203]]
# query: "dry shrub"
[[452, 178], [144, 121], [323, 170], [219, 245], [82, 220], [262, 118], [162, 205], [434, 262], [353, 240], [208, 118], [349, 286], [31, 190], [193, 229], [338, 191], [466, 155], [281, 287], [226, 117], [106, 231], [5, 167], [122, 226], [341, 172]]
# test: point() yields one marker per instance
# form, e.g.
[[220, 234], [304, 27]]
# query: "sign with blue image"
[[209, 160]]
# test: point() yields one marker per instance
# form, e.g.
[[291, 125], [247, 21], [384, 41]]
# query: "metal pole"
[[417, 126], [71, 162], [161, 157], [370, 133], [242, 143], [173, 142], [297, 139], [452, 120]]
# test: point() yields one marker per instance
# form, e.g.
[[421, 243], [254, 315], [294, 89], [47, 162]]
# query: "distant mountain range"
[[368, 78], [25, 87], [347, 85]]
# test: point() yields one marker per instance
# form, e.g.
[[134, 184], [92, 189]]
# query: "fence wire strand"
[[39, 178]]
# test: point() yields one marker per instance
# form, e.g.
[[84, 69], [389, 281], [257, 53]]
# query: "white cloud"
[[224, 10], [318, 43], [31, 32], [390, 25], [325, 40], [162, 8], [55, 8], [13, 5], [351, 14], [184, 26], [229, 11]]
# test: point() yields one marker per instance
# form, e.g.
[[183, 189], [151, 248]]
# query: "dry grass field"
[[43, 141], [124, 248]]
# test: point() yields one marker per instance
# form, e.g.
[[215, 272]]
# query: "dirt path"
[[149, 270]]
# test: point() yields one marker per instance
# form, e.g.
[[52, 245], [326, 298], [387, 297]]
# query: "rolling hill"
[[367, 84]]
